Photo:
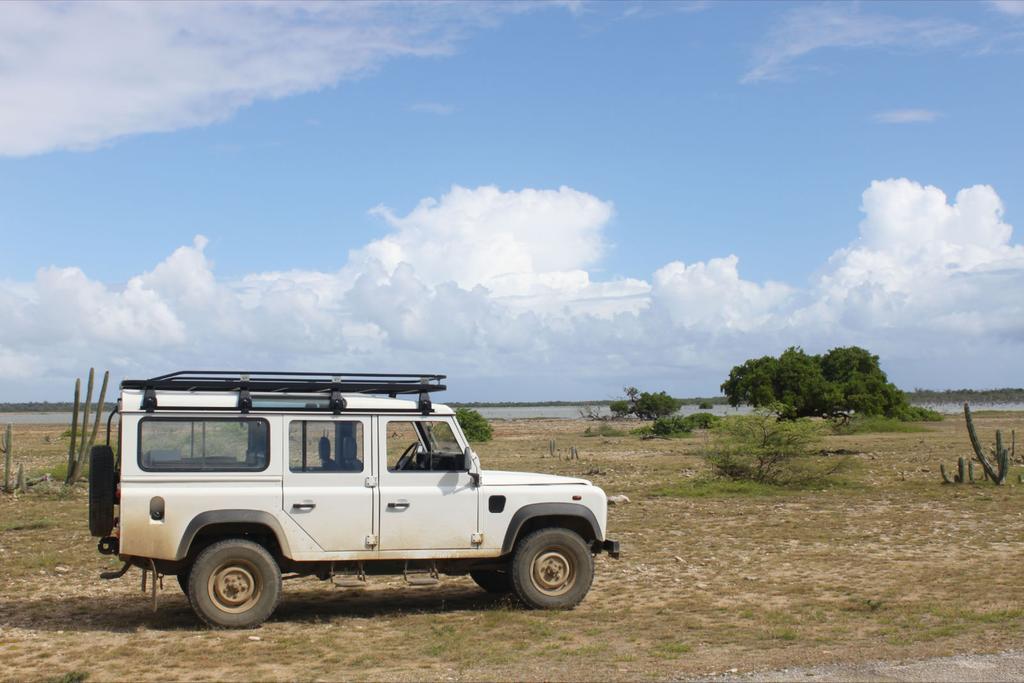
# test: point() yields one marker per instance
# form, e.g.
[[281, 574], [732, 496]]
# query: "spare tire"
[[101, 490]]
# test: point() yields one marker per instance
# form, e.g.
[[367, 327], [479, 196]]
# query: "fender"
[[231, 517], [528, 512]]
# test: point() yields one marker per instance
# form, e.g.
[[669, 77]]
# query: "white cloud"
[[76, 75], [497, 288], [1011, 7], [809, 28], [906, 116]]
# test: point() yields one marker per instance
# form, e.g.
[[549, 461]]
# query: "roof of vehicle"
[[227, 402], [276, 391]]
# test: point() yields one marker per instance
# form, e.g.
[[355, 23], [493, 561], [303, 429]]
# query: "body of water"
[[569, 412]]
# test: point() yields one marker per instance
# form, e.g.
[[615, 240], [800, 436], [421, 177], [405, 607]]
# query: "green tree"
[[620, 408], [645, 405], [474, 425], [844, 381]]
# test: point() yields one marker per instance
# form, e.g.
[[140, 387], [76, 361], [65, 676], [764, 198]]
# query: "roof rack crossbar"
[[331, 383]]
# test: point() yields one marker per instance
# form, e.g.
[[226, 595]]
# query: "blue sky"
[[707, 129]]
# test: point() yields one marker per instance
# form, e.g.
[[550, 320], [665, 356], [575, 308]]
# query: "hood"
[[499, 478]]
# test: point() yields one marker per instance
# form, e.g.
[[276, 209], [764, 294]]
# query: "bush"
[[670, 426], [918, 414], [762, 448], [705, 405], [474, 425], [603, 430], [701, 421]]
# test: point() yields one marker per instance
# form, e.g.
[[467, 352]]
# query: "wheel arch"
[[218, 524], [578, 518]]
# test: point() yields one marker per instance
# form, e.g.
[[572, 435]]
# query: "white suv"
[[229, 480]]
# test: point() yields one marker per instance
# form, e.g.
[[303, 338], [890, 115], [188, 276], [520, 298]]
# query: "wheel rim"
[[553, 572], [235, 586]]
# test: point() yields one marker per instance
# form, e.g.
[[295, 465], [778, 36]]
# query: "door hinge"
[[476, 539], [371, 482], [371, 541]]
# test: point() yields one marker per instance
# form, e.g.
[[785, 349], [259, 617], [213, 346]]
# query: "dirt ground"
[[889, 565]]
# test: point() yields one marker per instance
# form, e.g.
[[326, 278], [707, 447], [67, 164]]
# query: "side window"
[[325, 446], [203, 445], [423, 446]]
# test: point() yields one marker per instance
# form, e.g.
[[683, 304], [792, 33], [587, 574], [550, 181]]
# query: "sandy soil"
[[892, 565]]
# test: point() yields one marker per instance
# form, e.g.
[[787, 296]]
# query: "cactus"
[[964, 472], [997, 473], [21, 485], [551, 448], [76, 461], [8, 454], [74, 429]]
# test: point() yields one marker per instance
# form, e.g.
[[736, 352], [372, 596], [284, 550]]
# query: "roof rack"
[[332, 383]]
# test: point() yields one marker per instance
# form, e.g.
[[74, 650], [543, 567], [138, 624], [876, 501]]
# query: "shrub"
[[670, 426], [603, 430], [474, 425], [701, 421], [705, 405], [918, 414], [762, 448]]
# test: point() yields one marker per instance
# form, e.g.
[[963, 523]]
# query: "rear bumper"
[[610, 547]]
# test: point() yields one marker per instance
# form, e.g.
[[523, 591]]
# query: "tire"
[[493, 581], [234, 584], [101, 490], [182, 577], [552, 569]]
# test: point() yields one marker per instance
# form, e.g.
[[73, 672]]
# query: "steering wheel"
[[407, 456]]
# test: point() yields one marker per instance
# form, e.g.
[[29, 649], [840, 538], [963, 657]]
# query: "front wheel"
[[552, 569], [234, 584], [492, 581]]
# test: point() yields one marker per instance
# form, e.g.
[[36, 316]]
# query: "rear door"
[[328, 480]]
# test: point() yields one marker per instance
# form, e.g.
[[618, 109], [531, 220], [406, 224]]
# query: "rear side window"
[[203, 445]]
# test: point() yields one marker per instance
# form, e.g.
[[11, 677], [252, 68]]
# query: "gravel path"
[[1005, 666]]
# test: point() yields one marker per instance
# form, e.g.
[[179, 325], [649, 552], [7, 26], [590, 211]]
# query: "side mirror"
[[471, 461]]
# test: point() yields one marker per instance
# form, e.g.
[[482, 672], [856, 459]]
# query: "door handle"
[[303, 506], [400, 505]]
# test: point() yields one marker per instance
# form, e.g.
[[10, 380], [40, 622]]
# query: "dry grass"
[[890, 565]]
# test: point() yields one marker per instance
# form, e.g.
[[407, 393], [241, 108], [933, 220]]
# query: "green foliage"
[[674, 425], [650, 406], [844, 381], [645, 405], [705, 405], [765, 449], [603, 430], [701, 420], [474, 425], [620, 408], [918, 414]]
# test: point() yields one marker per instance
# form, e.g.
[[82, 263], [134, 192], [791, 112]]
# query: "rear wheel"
[[552, 569], [493, 581], [234, 584]]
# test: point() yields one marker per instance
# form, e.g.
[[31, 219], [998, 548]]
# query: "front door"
[[427, 499], [325, 480]]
